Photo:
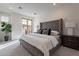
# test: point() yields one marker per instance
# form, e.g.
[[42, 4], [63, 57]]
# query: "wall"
[[16, 25], [36, 22], [68, 14]]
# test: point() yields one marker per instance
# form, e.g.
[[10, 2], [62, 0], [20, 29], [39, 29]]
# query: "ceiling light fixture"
[[54, 4]]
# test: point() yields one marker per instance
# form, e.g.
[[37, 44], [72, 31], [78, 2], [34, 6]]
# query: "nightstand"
[[70, 41]]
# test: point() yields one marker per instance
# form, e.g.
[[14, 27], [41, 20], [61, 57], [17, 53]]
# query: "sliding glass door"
[[27, 25]]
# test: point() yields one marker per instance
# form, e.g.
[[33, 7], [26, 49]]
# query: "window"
[[27, 25], [4, 19]]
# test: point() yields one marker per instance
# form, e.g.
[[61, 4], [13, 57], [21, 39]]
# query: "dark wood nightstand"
[[70, 41]]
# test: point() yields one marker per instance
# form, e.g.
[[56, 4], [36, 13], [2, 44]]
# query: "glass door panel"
[[27, 25]]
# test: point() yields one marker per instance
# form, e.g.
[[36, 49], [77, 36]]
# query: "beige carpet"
[[14, 50], [64, 51], [17, 50]]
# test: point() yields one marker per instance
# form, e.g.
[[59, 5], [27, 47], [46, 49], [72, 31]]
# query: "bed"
[[34, 49]]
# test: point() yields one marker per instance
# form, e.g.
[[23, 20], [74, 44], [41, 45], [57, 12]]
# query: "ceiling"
[[33, 9]]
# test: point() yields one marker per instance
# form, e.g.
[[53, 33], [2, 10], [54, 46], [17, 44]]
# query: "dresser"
[[70, 41]]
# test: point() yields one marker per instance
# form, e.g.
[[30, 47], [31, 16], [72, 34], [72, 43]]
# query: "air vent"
[[35, 13]]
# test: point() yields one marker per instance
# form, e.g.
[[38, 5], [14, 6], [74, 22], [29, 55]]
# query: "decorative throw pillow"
[[54, 33]]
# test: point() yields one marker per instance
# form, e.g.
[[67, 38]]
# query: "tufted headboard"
[[53, 25]]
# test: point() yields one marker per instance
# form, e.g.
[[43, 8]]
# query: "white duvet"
[[40, 41]]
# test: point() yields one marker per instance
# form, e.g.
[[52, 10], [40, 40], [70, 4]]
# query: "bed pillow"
[[45, 31], [39, 31], [49, 31], [54, 33]]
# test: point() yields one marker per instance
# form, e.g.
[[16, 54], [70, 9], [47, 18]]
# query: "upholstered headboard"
[[53, 25]]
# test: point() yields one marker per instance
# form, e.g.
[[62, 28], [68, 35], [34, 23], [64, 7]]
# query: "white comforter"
[[40, 41]]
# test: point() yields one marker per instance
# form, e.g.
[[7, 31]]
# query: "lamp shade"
[[70, 24]]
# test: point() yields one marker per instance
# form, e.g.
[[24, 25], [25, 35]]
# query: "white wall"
[[68, 14], [16, 25], [36, 21], [1, 36]]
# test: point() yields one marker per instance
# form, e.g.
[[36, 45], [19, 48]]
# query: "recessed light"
[[20, 7], [54, 4], [10, 8]]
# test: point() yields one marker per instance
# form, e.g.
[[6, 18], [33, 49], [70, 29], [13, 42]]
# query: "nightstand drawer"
[[70, 41], [71, 45]]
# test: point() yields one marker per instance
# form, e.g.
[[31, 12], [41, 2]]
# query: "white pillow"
[[54, 33]]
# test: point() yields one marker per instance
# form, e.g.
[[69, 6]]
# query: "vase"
[[6, 38]]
